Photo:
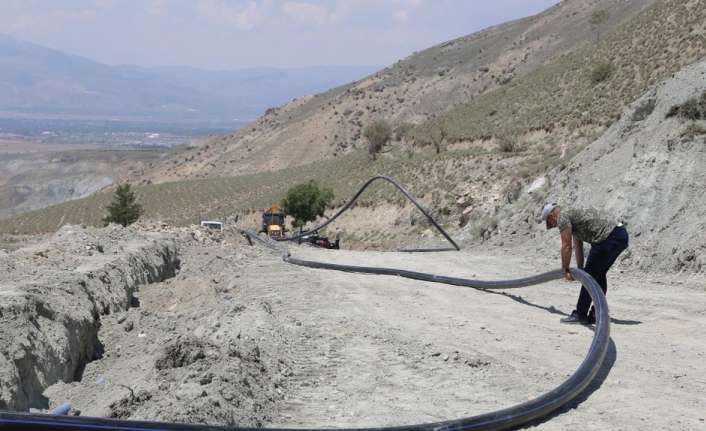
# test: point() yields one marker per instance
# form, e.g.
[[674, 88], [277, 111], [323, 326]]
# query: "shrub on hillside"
[[507, 144], [378, 134], [693, 109], [597, 19], [124, 208], [483, 228], [305, 202], [437, 135], [601, 72]]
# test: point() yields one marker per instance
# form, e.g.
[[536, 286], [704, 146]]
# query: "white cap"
[[548, 208]]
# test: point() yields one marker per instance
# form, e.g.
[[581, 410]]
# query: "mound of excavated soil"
[[201, 347], [52, 297]]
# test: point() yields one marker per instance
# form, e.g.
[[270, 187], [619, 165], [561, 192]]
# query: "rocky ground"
[[53, 295], [239, 337], [197, 349]]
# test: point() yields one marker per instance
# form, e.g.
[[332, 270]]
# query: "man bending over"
[[607, 237]]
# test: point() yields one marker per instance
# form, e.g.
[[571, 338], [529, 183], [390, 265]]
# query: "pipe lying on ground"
[[522, 413], [504, 419], [516, 415]]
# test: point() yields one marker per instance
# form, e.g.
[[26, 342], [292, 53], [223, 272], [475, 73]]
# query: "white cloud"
[[306, 13], [245, 17]]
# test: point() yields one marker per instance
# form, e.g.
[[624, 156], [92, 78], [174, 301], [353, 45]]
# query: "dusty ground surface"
[[337, 349], [195, 349]]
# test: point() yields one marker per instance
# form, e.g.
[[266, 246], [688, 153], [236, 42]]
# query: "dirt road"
[[357, 350], [509, 346]]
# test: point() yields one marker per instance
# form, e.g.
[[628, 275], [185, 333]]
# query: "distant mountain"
[[506, 64], [38, 80]]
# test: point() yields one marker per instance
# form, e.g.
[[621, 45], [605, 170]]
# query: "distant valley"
[[35, 80], [70, 126]]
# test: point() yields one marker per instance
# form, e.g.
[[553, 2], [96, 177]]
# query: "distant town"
[[116, 134]]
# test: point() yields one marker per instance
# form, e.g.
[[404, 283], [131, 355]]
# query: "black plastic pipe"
[[522, 413], [350, 203], [510, 417]]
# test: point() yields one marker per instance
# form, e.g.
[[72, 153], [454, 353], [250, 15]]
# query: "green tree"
[[378, 134], [435, 135], [124, 208], [305, 202]]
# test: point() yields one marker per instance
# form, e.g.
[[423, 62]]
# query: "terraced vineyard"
[[435, 178]]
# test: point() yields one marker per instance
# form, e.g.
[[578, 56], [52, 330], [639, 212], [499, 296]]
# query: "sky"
[[233, 34]]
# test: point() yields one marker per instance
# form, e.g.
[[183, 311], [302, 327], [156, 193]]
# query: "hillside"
[[407, 93], [35, 80], [476, 187], [588, 87], [648, 170]]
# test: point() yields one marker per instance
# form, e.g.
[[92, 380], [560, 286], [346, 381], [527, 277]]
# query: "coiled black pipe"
[[402, 190]]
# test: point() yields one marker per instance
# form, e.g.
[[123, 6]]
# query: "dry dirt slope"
[[647, 169], [592, 84], [408, 92]]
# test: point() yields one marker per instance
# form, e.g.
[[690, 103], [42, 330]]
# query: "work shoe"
[[573, 319], [591, 320]]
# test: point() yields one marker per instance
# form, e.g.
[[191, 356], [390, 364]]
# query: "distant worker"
[[608, 238]]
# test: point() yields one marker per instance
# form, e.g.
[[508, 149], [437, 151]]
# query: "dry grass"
[[645, 50]]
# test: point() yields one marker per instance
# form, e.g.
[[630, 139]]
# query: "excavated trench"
[[53, 296]]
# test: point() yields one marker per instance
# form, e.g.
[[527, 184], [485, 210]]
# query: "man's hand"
[[568, 276]]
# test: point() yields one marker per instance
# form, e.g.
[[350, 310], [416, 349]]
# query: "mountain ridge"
[[37, 79], [406, 94]]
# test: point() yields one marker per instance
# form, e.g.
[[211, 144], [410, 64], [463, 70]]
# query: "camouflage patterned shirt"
[[587, 224]]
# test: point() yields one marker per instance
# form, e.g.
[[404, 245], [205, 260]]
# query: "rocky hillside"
[[409, 92], [648, 169], [45, 175], [589, 87]]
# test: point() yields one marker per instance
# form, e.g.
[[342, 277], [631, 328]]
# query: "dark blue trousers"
[[600, 259]]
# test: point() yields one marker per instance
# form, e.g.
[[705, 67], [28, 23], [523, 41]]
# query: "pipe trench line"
[[504, 419]]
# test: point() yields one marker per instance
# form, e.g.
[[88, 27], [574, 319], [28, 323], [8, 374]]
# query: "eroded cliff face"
[[52, 297], [648, 170]]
